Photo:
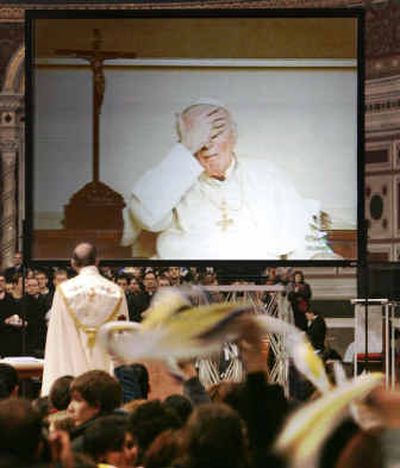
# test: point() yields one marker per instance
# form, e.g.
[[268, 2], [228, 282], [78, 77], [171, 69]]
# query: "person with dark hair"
[[94, 393], [174, 275], [135, 286], [215, 437], [316, 330], [31, 308], [147, 422], [21, 433], [262, 405], [9, 380], [60, 393], [134, 380], [299, 295], [105, 441], [163, 281], [10, 323], [80, 306], [180, 405], [122, 279], [164, 451], [16, 269], [46, 294], [141, 302]]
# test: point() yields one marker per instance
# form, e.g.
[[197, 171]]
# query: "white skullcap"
[[207, 102]]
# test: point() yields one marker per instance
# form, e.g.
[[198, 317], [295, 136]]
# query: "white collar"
[[89, 270]]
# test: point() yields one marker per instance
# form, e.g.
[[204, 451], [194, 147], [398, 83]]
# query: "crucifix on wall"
[[96, 205]]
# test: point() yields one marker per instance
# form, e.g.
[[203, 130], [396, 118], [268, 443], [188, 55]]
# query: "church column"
[[8, 199]]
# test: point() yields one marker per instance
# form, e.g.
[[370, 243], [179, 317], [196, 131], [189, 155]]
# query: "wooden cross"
[[95, 56]]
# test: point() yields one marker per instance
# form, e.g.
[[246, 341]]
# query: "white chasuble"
[[80, 306]]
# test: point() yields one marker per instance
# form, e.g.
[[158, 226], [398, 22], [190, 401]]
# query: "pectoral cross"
[[226, 220]]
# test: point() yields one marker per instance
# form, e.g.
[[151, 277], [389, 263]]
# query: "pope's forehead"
[[198, 110]]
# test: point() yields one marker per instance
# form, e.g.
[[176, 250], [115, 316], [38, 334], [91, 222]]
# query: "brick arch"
[[11, 154], [14, 82]]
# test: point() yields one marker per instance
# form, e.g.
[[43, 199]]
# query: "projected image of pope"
[[207, 202]]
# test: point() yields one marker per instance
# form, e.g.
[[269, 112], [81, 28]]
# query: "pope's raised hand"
[[198, 129]]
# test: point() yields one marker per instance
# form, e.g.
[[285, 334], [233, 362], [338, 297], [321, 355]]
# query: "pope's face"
[[217, 156]]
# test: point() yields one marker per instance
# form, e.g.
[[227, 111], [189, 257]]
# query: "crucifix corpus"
[[97, 199]]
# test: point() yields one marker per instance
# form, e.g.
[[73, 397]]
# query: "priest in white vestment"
[[80, 306], [206, 203]]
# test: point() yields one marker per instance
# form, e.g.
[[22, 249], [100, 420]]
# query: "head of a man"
[[134, 286], [163, 281], [60, 393], [93, 393], [310, 315], [59, 277], [218, 152], [174, 273], [148, 421], [9, 380], [215, 436], [107, 441], [150, 282], [42, 279], [32, 287], [123, 282], [17, 259], [21, 430], [298, 276], [84, 254]]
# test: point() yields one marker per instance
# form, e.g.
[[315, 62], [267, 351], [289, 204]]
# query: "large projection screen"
[[109, 156]]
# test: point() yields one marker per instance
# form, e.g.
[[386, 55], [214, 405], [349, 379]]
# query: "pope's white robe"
[[255, 213], [80, 306]]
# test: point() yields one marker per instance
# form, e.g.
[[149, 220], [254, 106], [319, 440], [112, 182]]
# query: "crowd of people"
[[25, 308], [86, 422], [97, 416]]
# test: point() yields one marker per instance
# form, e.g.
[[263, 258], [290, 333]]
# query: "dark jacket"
[[316, 332]]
